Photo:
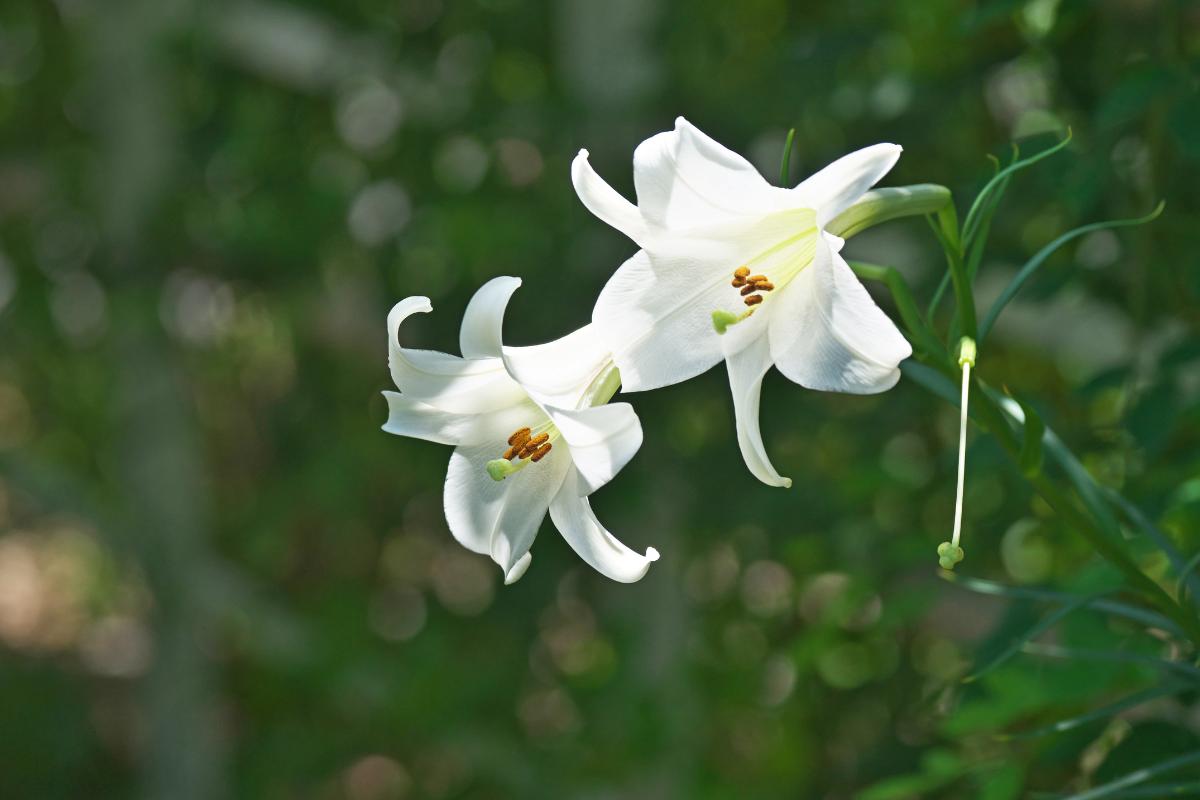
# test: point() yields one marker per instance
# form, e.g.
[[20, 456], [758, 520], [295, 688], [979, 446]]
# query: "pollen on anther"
[[747, 289], [520, 435], [756, 279], [737, 281], [530, 447], [509, 453], [741, 272], [753, 300], [541, 453], [765, 286]]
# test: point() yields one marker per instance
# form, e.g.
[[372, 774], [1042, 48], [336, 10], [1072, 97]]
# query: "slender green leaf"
[[1085, 486], [1030, 460], [1043, 625], [785, 165], [1031, 266], [1184, 570], [1183, 789], [931, 379], [979, 241], [972, 221], [1114, 607], [1097, 498], [1187, 575], [1111, 788], [1112, 656], [1104, 712], [938, 293]]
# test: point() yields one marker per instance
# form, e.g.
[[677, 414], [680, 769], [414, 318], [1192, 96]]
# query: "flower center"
[[526, 446], [787, 258]]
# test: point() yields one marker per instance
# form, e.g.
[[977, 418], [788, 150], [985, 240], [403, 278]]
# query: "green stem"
[[948, 222]]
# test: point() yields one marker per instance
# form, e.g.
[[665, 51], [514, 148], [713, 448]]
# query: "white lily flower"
[[532, 432], [734, 268]]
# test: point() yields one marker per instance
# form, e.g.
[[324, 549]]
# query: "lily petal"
[[685, 179], [450, 383], [602, 439], [407, 417], [573, 516], [558, 373], [555, 373], [606, 202], [655, 316], [480, 335], [499, 518], [518, 569], [828, 334], [835, 188], [746, 370]]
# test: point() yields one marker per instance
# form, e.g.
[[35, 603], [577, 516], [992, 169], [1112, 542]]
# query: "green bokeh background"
[[218, 577]]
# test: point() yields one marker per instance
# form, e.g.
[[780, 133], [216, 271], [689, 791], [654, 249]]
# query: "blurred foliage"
[[218, 577]]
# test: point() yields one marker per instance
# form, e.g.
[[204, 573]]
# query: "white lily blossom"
[[532, 431], [732, 268]]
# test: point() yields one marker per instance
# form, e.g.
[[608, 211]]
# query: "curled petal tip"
[[786, 483], [517, 570], [417, 304], [651, 554]]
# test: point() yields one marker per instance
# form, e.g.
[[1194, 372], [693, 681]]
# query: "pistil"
[[950, 553]]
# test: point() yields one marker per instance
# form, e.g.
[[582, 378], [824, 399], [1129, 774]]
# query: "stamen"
[[741, 272], [756, 279], [747, 289], [524, 449], [765, 286], [753, 300], [737, 281]]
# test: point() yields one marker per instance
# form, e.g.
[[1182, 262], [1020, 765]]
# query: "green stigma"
[[499, 468], [723, 319], [949, 554]]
